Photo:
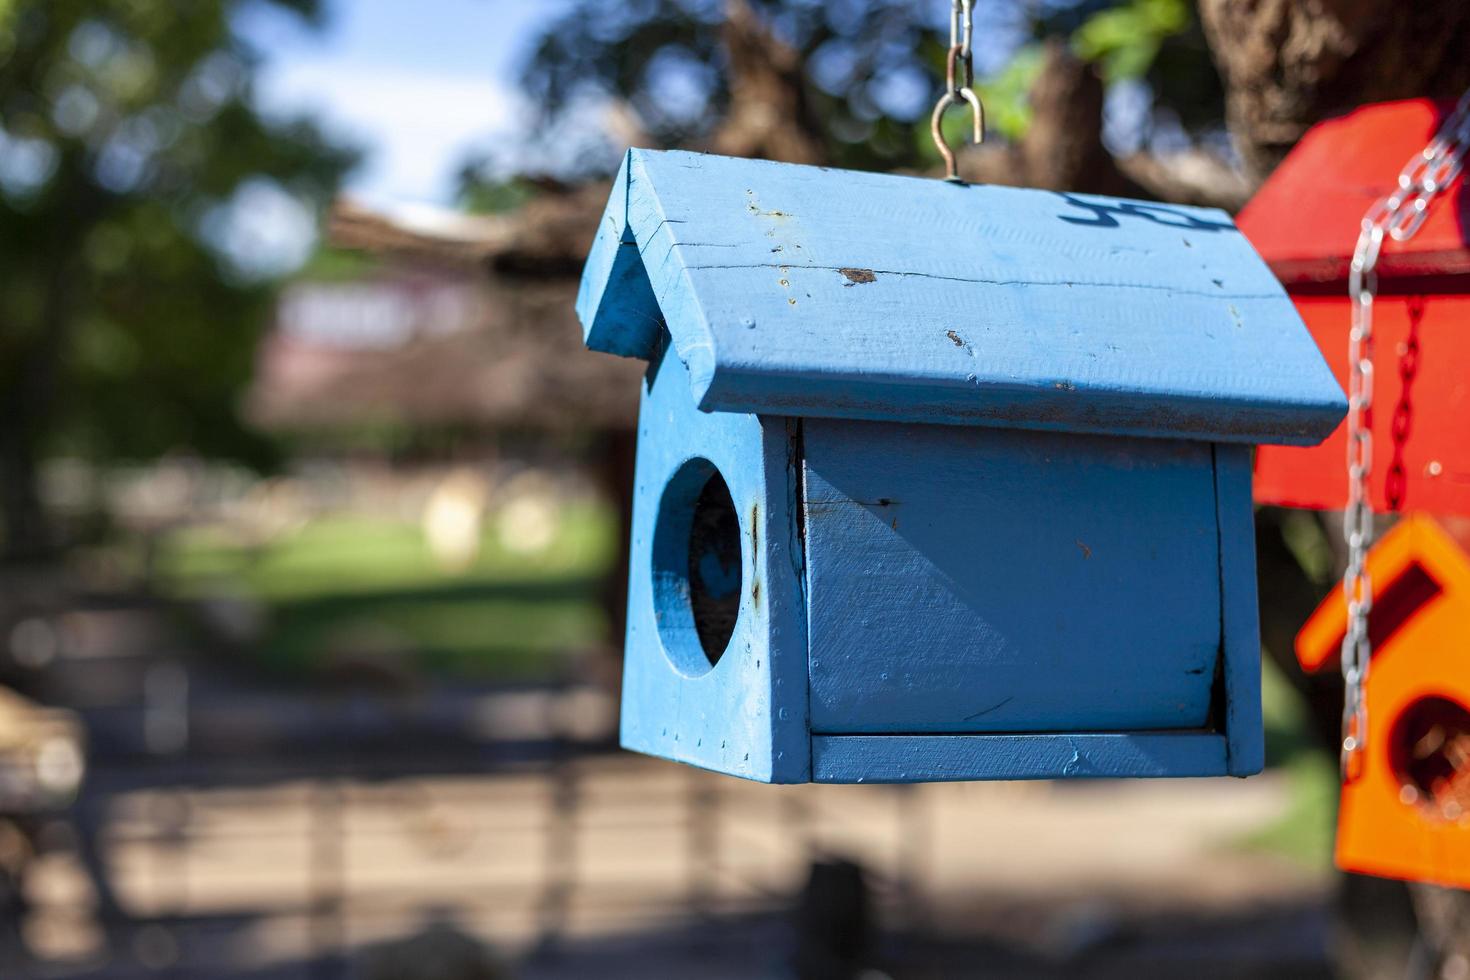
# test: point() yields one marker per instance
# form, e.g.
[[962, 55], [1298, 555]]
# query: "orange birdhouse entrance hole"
[[1406, 809], [1429, 750]]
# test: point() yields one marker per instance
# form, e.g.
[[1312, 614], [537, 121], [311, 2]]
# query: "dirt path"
[[616, 847]]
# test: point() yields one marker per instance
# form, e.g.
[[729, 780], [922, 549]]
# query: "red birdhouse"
[[1305, 222], [1406, 808]]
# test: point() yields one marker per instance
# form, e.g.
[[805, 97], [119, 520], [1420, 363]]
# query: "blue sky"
[[419, 85]]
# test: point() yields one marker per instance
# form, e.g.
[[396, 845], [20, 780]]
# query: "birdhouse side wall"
[[747, 714]]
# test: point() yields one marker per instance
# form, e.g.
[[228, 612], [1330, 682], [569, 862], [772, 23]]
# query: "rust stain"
[[955, 338], [753, 207], [1086, 551], [858, 276]]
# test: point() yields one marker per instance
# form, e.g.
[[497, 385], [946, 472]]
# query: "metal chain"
[[1397, 216], [959, 75], [1396, 483]]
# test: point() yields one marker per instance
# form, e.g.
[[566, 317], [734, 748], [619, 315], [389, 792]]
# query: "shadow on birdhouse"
[[1305, 221], [1406, 810], [941, 481]]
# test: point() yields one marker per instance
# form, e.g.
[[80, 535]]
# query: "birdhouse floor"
[[940, 758]]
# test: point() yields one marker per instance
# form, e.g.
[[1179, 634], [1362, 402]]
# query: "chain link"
[[1397, 216], [1396, 483], [959, 74]]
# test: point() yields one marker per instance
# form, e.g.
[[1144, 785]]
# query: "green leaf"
[[1125, 40]]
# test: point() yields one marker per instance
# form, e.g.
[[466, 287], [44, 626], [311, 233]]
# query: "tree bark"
[[1063, 149], [1288, 64], [768, 111]]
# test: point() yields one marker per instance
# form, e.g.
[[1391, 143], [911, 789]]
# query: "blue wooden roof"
[[797, 290]]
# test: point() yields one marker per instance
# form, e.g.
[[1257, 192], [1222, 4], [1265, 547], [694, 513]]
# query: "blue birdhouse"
[[940, 481]]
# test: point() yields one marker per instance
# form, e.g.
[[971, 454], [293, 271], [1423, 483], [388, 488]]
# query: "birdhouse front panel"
[[1405, 809], [1305, 222], [939, 481], [991, 580]]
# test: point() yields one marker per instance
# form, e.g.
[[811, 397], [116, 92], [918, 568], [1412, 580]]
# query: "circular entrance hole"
[[1429, 749], [697, 568]]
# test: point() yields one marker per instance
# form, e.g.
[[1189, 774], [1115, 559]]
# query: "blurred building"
[[458, 330], [459, 321]]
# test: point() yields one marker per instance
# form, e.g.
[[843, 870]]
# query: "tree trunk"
[[1289, 64], [768, 114]]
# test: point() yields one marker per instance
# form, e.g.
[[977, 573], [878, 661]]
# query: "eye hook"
[[959, 76], [977, 114]]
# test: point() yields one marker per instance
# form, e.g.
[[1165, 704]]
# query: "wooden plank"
[[970, 580], [615, 302], [1305, 219], [941, 758], [746, 715], [1240, 623], [811, 292]]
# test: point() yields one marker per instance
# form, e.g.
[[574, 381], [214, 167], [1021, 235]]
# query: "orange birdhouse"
[[1406, 808], [1305, 221]]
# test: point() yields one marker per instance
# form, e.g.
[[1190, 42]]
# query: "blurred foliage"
[[141, 202], [870, 69], [1004, 96], [1306, 539], [331, 264], [493, 196], [1305, 831], [1125, 41], [341, 585], [1158, 43]]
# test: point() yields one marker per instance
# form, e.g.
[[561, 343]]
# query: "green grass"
[[353, 588], [1304, 832]]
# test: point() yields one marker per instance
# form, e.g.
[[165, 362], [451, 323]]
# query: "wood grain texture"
[[747, 715], [947, 758], [811, 292], [978, 580], [1240, 634]]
